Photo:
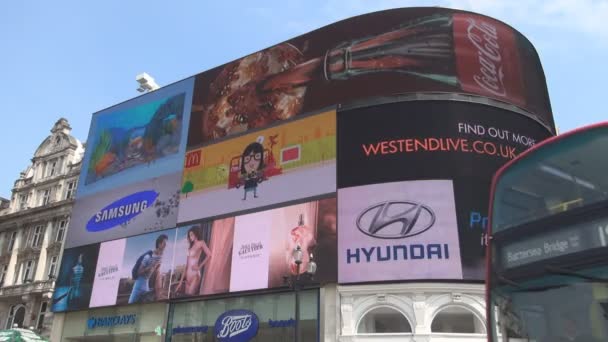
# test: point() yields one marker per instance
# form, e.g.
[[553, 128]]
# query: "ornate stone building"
[[33, 224]]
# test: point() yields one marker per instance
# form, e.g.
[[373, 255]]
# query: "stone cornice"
[[47, 212], [29, 288], [422, 287]]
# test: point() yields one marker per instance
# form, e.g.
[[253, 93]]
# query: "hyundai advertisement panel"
[[464, 143]]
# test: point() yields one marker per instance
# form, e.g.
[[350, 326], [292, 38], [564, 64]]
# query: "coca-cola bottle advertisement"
[[380, 54]]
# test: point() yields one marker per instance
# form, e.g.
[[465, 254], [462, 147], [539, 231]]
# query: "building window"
[[11, 241], [456, 319], [41, 313], [52, 168], [3, 272], [45, 196], [23, 202], [16, 316], [37, 236], [70, 190], [60, 231], [52, 267], [383, 320], [28, 271]]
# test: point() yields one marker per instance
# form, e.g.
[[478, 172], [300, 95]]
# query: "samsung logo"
[[121, 211]]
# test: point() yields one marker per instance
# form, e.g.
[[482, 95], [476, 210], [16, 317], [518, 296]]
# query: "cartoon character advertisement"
[[136, 140], [256, 169]]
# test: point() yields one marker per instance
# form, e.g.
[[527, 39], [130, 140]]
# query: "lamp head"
[[297, 255]]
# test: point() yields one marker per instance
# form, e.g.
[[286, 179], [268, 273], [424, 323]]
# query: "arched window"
[[456, 319], [383, 320], [16, 316]]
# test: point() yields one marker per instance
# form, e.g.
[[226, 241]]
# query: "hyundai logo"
[[395, 219]]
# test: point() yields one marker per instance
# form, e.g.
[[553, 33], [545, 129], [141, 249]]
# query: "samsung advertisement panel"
[[130, 210], [462, 143], [137, 140], [287, 162], [379, 54]]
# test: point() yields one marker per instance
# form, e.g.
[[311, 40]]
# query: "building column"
[[40, 274]]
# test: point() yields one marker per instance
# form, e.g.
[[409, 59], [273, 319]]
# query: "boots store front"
[[332, 187]]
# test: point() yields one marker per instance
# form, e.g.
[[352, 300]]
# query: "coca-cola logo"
[[484, 37], [236, 326]]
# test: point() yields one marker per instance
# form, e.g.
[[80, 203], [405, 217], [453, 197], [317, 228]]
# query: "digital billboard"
[[136, 140], [399, 230], [379, 54], [132, 209], [75, 279], [240, 253], [463, 143], [283, 163], [134, 270], [253, 251]]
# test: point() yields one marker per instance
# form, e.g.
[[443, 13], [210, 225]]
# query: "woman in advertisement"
[[197, 257]]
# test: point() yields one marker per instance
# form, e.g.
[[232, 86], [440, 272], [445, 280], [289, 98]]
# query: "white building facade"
[[33, 226]]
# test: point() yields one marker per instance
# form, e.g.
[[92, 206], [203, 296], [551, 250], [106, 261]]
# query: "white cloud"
[[588, 17]]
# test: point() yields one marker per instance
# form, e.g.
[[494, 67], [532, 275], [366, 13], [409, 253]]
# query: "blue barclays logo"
[[121, 211], [236, 326], [111, 321]]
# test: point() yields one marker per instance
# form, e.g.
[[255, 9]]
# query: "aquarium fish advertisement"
[[134, 209], [136, 140]]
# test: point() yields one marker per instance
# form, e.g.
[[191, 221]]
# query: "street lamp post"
[[293, 281]]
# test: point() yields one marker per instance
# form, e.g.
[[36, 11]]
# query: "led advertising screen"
[[75, 279], [279, 164], [134, 270], [232, 254], [456, 142], [132, 209], [137, 140], [202, 258], [253, 251], [399, 230], [379, 54]]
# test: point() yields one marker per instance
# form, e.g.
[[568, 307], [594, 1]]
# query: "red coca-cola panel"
[[487, 58], [382, 54]]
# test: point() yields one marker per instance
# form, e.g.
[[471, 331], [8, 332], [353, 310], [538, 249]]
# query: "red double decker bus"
[[547, 277]]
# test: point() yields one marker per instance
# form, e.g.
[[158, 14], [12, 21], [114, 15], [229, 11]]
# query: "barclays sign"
[[111, 321], [236, 326], [395, 219]]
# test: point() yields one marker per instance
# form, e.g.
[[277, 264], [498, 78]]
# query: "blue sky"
[[73, 58]]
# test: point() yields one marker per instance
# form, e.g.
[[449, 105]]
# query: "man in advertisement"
[[147, 268]]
